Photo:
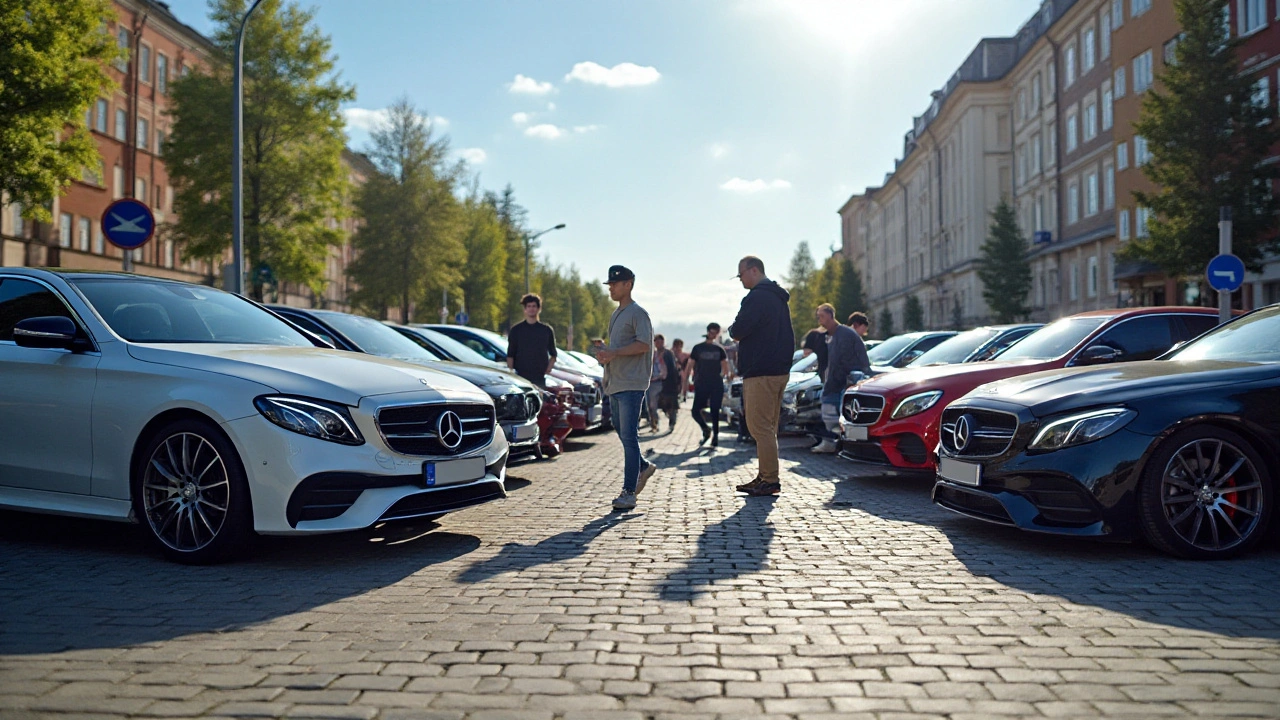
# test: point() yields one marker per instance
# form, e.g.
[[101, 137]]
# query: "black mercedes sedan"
[[1183, 450]]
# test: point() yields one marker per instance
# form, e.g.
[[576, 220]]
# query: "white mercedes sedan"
[[206, 418]]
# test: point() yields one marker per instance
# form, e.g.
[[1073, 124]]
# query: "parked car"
[[1184, 451], [205, 418], [516, 401], [802, 368], [892, 421], [976, 345], [900, 350], [557, 395], [588, 412]]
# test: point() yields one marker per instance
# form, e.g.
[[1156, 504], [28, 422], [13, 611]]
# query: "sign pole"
[[1224, 248]]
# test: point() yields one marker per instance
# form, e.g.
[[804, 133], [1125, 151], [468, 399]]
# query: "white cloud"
[[529, 86], [370, 120], [748, 187], [520, 118], [621, 75], [718, 150], [585, 128], [475, 156], [544, 131], [551, 107]]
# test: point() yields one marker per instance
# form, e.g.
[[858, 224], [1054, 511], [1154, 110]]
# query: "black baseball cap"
[[618, 273]]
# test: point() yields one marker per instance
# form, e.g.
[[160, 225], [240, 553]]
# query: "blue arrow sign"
[[128, 223], [462, 317], [1225, 273]]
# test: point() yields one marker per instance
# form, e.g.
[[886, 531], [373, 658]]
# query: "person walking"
[[815, 343], [669, 395], [531, 344], [627, 358], [657, 374], [765, 343], [710, 367], [845, 353], [683, 366]]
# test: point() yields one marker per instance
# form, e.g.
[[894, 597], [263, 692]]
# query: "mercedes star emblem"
[[449, 429], [963, 432]]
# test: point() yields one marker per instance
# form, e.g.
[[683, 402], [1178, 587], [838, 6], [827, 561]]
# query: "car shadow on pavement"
[[514, 557], [731, 548], [70, 584]]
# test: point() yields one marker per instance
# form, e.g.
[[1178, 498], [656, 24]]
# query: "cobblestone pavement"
[[842, 597]]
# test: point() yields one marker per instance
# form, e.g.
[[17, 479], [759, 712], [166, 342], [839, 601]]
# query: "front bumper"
[[522, 437]]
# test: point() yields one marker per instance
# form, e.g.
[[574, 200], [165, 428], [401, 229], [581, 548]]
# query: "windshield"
[[1254, 338], [563, 357], [375, 338], [805, 364], [886, 351], [955, 349], [454, 349], [165, 312], [1053, 340]]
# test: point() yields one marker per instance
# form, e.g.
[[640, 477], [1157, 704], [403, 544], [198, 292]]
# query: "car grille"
[[411, 429], [586, 395], [446, 500], [868, 408], [989, 431], [912, 448], [517, 407], [976, 504]]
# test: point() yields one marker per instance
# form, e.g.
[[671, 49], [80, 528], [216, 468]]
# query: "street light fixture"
[[528, 239], [237, 158]]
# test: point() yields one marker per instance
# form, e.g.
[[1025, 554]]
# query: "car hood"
[[1054, 391], [958, 378], [335, 375], [493, 381]]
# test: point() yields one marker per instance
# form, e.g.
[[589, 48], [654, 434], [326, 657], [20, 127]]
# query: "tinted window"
[[1005, 341], [889, 349], [23, 299], [375, 338], [1253, 338], [428, 347], [310, 325], [453, 348], [1053, 340], [1141, 338], [1198, 325], [955, 349]]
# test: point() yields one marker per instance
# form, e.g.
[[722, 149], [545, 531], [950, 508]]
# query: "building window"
[[100, 118], [82, 233], [1141, 215], [1074, 288], [144, 133], [1108, 109], [1108, 185], [1170, 51], [1021, 152], [1022, 104], [122, 125], [144, 63], [168, 253], [117, 182], [1122, 156], [122, 39], [1253, 15], [1088, 50], [1117, 13], [1073, 203], [1091, 194], [1137, 7], [1090, 121], [1262, 92], [1069, 66], [1120, 82], [1111, 273], [1072, 131], [1035, 92], [1091, 277], [162, 73], [98, 242], [160, 138], [64, 230], [140, 189], [1123, 230], [168, 197], [1142, 72], [1039, 213], [1037, 154], [1052, 139], [1104, 36], [1140, 153]]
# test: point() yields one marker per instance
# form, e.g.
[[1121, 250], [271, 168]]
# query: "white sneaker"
[[625, 501], [827, 446], [645, 474]]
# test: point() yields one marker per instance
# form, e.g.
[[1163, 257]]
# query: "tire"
[[190, 494], [1206, 494]]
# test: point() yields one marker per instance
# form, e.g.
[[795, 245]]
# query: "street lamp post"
[[237, 158], [528, 239]]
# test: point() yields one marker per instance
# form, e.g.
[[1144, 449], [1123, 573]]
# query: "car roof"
[[70, 274]]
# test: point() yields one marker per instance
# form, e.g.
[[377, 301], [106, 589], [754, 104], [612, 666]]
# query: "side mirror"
[[906, 359], [51, 332], [1098, 354]]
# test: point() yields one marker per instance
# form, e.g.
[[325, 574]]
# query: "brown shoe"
[[765, 488], [747, 487]]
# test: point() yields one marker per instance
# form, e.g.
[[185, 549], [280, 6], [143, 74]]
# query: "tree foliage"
[[294, 182], [410, 248], [513, 218], [53, 56], [1003, 267], [884, 328], [484, 282], [1208, 140], [568, 301], [913, 314], [848, 291], [799, 280]]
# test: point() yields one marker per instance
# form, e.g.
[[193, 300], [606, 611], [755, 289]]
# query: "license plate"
[[959, 472], [855, 433], [449, 472], [523, 432]]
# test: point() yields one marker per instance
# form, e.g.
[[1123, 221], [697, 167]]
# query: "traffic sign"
[[462, 317], [128, 223], [1225, 273]]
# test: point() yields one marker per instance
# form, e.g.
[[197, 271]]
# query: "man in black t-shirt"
[[710, 369], [531, 345], [816, 343]]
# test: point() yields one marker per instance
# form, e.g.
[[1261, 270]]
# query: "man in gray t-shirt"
[[845, 353], [627, 361]]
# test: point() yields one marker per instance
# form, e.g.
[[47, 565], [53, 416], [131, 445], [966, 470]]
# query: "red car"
[[553, 420], [893, 420]]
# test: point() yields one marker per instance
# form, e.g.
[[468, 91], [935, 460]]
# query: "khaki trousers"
[[763, 399]]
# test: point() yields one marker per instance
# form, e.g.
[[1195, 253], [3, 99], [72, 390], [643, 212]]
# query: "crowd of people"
[[645, 380]]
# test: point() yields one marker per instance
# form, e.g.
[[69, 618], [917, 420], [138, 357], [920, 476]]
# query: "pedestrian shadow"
[[515, 483], [70, 584], [514, 557], [733, 547]]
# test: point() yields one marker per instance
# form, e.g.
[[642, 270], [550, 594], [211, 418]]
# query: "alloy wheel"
[[1211, 495], [186, 492]]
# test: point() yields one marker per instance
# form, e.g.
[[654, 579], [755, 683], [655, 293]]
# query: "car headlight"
[[1081, 428], [313, 418], [789, 397], [916, 404]]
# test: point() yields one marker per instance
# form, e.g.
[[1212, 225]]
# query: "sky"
[[670, 136]]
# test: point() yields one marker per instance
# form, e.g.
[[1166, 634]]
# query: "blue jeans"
[[831, 416], [625, 407]]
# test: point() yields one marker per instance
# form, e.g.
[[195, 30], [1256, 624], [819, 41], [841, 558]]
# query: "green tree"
[[514, 218], [52, 70], [294, 182], [1003, 267], [849, 291], [1208, 140], [410, 248], [913, 314], [826, 282], [885, 327], [957, 315], [800, 283], [484, 281]]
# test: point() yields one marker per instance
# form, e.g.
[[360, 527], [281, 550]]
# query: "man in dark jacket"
[[765, 344]]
